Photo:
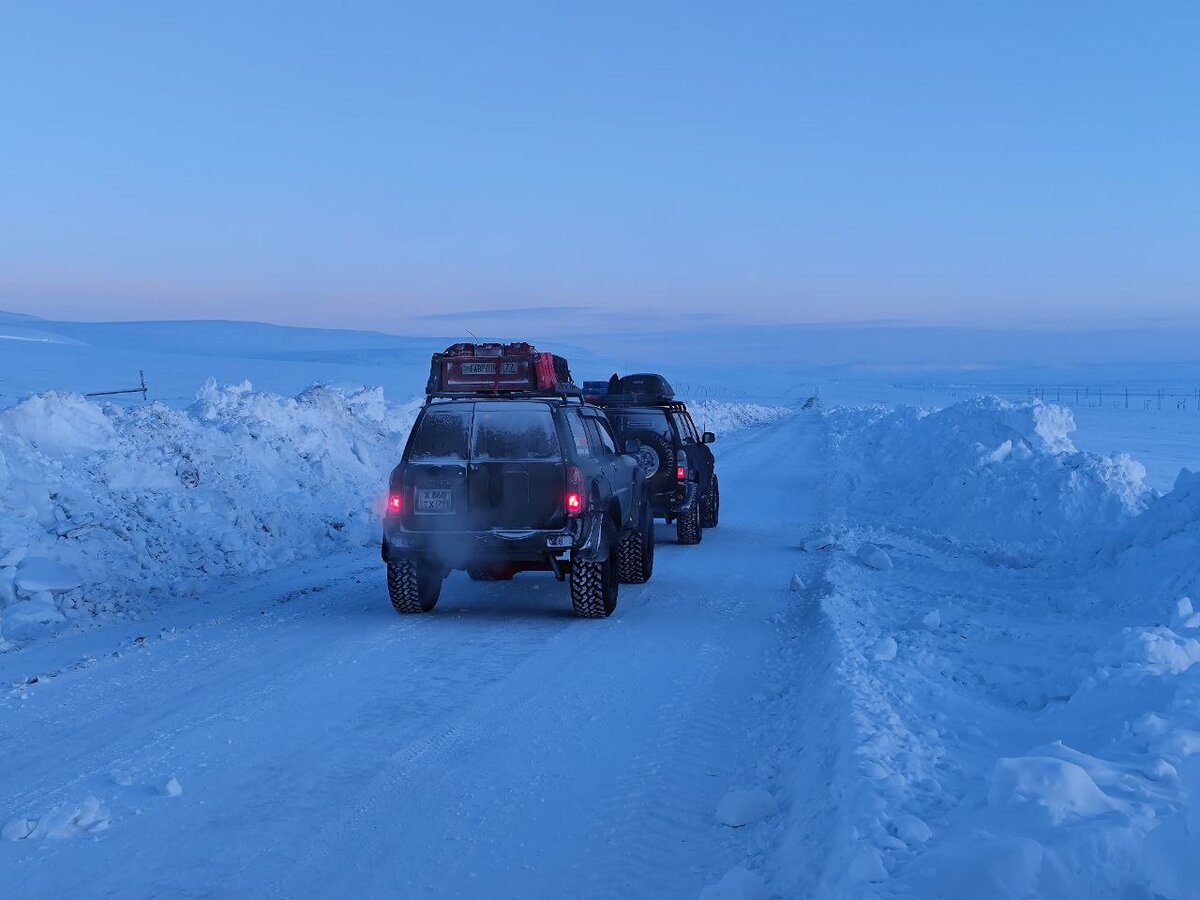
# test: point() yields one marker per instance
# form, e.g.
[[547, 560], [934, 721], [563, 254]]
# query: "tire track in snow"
[[673, 765], [425, 768], [155, 666]]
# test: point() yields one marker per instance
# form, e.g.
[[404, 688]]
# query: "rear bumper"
[[582, 539], [669, 504]]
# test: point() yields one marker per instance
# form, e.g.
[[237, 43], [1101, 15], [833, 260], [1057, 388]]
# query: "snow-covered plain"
[[928, 653]]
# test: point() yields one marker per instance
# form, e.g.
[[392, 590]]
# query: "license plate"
[[489, 368], [559, 540], [434, 500]]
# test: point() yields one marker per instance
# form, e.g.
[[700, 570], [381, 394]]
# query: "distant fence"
[[1094, 396], [142, 389]]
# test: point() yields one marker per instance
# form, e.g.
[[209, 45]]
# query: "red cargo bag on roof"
[[496, 368]]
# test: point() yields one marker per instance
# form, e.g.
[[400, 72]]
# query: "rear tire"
[[594, 587], [687, 528], [635, 554], [710, 506], [413, 587]]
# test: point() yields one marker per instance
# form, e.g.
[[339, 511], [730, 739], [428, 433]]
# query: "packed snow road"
[[294, 737]]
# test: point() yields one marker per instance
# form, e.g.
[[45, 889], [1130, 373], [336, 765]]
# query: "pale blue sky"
[[380, 165]]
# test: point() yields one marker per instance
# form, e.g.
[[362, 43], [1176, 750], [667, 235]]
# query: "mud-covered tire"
[[710, 506], [594, 587], [635, 554], [413, 588], [688, 529]]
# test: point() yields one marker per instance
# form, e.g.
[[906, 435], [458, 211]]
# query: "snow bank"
[[986, 470], [1152, 562], [103, 509], [721, 417], [1039, 735]]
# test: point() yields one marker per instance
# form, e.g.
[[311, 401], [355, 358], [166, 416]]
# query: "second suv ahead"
[[680, 468]]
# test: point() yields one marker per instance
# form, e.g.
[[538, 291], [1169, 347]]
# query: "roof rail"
[[642, 400], [561, 394]]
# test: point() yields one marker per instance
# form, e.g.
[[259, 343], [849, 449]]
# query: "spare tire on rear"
[[656, 456]]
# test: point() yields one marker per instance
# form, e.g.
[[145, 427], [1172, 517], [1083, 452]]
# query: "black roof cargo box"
[[644, 387]]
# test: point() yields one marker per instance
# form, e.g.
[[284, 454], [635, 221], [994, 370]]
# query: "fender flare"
[[597, 543]]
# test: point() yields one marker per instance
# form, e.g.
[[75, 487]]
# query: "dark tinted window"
[[601, 433], [514, 431], [441, 434], [628, 421], [687, 428], [578, 433]]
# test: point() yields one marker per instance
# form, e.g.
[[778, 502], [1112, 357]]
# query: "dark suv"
[[680, 468], [499, 485]]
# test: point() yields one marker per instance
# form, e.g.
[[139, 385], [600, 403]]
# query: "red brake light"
[[395, 504], [576, 501], [681, 473]]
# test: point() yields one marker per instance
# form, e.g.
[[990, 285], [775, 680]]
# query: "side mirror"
[[632, 446], [708, 438]]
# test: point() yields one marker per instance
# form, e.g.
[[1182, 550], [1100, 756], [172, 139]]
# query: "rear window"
[[514, 431], [442, 433], [629, 421], [508, 430]]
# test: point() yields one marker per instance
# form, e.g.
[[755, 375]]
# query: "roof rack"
[[563, 393], [642, 400]]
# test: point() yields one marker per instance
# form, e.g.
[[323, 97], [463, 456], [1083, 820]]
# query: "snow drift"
[[722, 417], [103, 509], [1156, 555], [985, 470], [1033, 728]]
